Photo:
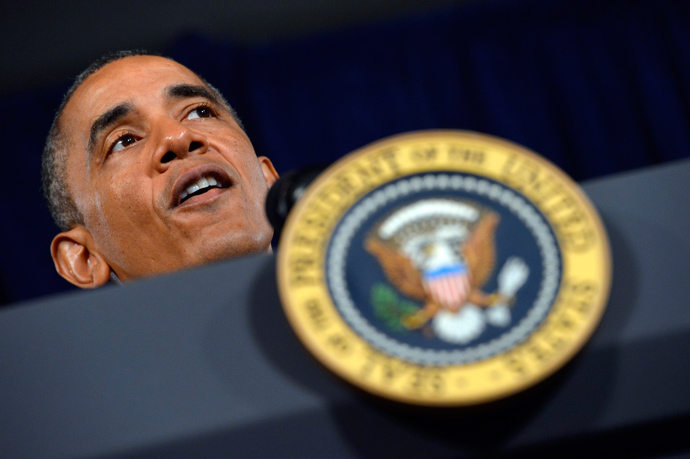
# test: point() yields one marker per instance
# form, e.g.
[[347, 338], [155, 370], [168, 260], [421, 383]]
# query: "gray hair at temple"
[[54, 164]]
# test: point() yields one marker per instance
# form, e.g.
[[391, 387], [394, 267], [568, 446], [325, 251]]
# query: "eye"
[[123, 142], [201, 112]]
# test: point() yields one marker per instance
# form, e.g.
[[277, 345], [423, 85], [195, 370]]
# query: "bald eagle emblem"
[[441, 252]]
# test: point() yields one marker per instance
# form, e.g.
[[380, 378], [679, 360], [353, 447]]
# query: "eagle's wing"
[[398, 268], [480, 249]]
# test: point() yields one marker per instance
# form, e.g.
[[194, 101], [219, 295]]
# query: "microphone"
[[285, 192]]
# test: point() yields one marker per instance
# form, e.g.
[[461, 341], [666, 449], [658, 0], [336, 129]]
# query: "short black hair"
[[54, 164]]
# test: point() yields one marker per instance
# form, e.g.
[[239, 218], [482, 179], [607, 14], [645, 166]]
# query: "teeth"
[[202, 183]]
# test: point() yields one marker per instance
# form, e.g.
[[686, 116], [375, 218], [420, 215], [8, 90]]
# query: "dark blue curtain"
[[598, 87]]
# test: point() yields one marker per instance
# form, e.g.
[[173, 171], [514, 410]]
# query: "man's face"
[[143, 133]]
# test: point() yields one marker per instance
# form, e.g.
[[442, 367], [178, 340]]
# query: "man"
[[147, 170]]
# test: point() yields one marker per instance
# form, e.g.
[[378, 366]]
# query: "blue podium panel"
[[203, 363]]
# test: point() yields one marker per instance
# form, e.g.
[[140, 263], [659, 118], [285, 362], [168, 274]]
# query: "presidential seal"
[[443, 268]]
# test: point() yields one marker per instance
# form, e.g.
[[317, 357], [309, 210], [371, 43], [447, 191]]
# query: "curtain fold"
[[598, 87]]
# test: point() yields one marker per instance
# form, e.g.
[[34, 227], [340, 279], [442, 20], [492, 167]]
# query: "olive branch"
[[389, 307]]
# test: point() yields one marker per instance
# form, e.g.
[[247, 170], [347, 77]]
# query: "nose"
[[176, 140]]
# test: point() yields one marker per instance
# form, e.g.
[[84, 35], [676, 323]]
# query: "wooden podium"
[[202, 363]]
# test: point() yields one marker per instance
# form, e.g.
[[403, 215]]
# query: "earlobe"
[[77, 260], [270, 174]]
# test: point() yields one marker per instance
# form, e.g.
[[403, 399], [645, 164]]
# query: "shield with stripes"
[[448, 286]]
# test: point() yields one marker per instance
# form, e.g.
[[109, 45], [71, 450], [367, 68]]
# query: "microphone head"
[[285, 192]]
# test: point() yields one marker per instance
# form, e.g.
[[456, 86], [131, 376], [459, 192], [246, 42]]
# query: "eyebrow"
[[184, 91], [106, 120]]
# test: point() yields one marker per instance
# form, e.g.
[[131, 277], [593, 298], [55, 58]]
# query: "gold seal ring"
[[443, 268]]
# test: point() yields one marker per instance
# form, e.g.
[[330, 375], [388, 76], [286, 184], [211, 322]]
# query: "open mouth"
[[203, 185], [199, 185]]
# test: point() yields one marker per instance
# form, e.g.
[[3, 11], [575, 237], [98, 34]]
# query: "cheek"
[[124, 203], [126, 228], [254, 177], [244, 160], [256, 197], [258, 184]]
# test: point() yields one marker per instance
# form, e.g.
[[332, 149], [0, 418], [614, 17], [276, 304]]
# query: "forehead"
[[131, 79]]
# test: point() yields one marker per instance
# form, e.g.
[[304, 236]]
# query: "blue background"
[[597, 87]]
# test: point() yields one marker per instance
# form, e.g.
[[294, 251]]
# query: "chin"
[[235, 246]]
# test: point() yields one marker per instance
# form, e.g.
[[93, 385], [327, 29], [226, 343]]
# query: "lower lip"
[[202, 199]]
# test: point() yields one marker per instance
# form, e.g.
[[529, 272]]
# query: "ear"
[[77, 260], [270, 174]]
